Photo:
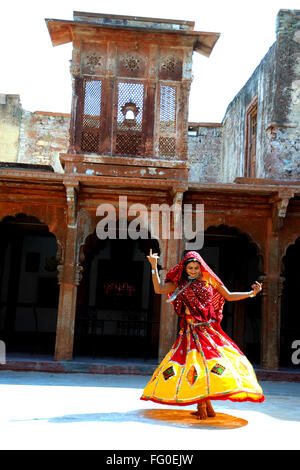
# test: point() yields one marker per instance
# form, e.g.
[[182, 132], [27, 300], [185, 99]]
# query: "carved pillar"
[[273, 283], [69, 279], [271, 307], [69, 276], [168, 318], [171, 250], [75, 73]]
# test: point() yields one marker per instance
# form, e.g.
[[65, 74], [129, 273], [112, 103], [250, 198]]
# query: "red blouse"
[[198, 297]]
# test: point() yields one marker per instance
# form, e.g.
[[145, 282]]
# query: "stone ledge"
[[67, 367], [129, 167], [278, 375], [116, 367], [26, 166]]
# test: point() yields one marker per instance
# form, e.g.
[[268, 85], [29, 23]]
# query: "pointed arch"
[[29, 283], [289, 318], [133, 323], [288, 244], [226, 230], [53, 218]]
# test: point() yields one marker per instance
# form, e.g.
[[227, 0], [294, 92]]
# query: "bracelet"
[[153, 271], [252, 295]]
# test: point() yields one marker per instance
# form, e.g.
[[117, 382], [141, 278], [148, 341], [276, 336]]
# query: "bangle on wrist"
[[153, 271], [252, 294]]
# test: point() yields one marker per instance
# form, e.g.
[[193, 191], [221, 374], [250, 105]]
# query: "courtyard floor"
[[66, 411]]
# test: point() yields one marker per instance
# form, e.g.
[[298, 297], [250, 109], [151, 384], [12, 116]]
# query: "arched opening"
[[117, 312], [234, 258], [290, 319], [28, 286]]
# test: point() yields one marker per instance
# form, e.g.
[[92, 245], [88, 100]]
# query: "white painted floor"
[[104, 412]]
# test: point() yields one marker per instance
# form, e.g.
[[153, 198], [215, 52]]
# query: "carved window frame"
[[166, 136], [129, 134], [251, 139]]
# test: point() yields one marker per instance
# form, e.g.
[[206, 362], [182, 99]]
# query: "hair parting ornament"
[[191, 260]]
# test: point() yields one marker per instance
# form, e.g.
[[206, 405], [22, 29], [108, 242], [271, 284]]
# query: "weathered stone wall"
[[282, 159], [42, 137], [10, 119], [276, 83], [217, 151], [262, 84], [204, 152]]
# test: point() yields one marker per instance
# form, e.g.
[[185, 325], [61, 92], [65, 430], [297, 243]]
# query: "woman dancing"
[[204, 364]]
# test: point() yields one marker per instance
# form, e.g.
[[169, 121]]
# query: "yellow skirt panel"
[[203, 364]]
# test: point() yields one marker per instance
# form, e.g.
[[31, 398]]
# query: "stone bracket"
[[280, 204], [72, 195], [177, 194]]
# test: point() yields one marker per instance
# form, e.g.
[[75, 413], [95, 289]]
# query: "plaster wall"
[[276, 83], [262, 85], [42, 137], [204, 153], [10, 119], [283, 150]]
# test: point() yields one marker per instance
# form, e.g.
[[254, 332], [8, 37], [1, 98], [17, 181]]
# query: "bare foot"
[[210, 411], [204, 410], [201, 410]]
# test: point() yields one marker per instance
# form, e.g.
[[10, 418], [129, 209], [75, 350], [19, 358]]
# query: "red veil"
[[175, 275]]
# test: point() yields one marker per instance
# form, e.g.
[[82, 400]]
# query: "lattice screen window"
[[91, 116], [129, 128], [167, 121]]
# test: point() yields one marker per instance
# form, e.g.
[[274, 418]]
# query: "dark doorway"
[[29, 287], [290, 318], [117, 312]]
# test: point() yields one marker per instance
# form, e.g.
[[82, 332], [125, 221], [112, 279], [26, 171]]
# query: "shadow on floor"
[[163, 417]]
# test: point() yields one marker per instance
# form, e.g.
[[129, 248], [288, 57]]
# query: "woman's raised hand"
[[257, 287], [152, 258]]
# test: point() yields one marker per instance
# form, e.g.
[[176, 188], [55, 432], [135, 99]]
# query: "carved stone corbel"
[[60, 252], [74, 69], [60, 273], [177, 192], [281, 285], [60, 255], [177, 198], [77, 274], [71, 193], [280, 205]]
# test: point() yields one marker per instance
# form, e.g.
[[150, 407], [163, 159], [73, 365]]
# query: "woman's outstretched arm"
[[231, 296], [158, 288]]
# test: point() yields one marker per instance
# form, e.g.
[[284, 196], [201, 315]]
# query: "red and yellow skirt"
[[204, 363]]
